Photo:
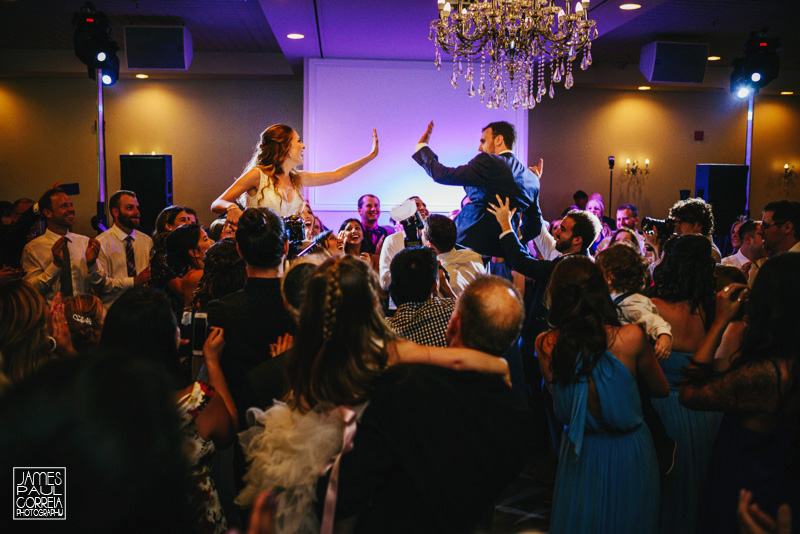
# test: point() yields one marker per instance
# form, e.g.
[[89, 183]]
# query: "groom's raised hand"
[[427, 135]]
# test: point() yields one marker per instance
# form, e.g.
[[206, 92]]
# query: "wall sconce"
[[632, 167], [788, 171]]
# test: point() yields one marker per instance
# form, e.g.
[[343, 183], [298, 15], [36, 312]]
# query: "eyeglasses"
[[765, 225]]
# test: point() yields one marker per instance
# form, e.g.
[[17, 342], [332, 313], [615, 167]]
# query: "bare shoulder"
[[626, 342]]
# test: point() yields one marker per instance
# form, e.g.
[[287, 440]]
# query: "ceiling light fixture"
[[515, 42], [644, 87], [714, 58], [787, 92], [142, 76], [629, 7], [296, 36]]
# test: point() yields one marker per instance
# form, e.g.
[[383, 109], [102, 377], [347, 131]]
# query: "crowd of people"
[[398, 378]]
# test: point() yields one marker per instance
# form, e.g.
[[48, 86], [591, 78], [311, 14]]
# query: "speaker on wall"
[[725, 188], [150, 177], [158, 47], [664, 62]]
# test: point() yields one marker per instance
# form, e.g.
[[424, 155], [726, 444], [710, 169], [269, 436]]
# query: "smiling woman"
[[272, 180]]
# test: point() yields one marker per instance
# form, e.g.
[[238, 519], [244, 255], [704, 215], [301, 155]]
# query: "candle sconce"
[[788, 173], [632, 168]]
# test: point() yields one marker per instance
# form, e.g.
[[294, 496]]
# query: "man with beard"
[[124, 252], [573, 236], [59, 260]]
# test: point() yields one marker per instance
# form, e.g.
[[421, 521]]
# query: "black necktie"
[[129, 258], [66, 271]]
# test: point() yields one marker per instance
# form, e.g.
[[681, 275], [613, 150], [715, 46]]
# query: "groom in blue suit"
[[495, 171]]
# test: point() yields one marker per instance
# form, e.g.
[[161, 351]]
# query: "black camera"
[[411, 221], [664, 227]]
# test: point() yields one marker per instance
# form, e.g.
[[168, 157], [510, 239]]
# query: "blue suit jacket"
[[484, 177]]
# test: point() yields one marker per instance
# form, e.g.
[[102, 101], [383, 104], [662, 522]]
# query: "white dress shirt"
[[392, 244], [44, 275], [113, 261], [735, 260], [463, 266]]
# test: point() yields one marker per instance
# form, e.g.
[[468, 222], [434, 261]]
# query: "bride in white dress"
[[272, 180]]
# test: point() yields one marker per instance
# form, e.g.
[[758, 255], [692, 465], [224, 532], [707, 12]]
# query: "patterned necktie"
[[66, 271], [129, 260]]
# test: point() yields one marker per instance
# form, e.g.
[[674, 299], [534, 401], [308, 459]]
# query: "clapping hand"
[[92, 251]]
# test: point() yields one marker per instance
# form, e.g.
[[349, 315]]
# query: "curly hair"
[[224, 272], [580, 308], [694, 210], [625, 268], [686, 273], [342, 341], [85, 314], [270, 153]]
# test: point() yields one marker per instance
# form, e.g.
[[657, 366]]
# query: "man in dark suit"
[[436, 446], [494, 171], [255, 316]]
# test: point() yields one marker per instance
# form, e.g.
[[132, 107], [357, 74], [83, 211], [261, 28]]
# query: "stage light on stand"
[[743, 92], [101, 56], [756, 77]]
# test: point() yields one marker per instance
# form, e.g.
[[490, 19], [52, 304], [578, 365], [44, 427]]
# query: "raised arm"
[[460, 359], [313, 179], [729, 301]]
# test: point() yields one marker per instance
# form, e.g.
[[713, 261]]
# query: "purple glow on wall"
[[345, 99]]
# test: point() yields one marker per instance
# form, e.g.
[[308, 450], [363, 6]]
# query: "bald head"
[[488, 316]]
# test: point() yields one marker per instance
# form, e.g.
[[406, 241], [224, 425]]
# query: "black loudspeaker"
[[150, 177], [158, 47], [725, 188], [664, 62]]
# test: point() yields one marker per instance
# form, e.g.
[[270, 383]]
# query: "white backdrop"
[[345, 99]]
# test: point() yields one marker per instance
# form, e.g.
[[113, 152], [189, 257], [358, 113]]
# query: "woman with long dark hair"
[[607, 479], [756, 448], [683, 293], [186, 248], [272, 180]]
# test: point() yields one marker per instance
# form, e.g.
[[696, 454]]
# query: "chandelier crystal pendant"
[[516, 42]]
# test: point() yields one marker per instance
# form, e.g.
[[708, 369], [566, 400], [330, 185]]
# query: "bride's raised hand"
[[374, 151]]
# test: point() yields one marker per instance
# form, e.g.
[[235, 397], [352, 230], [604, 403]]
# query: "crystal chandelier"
[[518, 42]]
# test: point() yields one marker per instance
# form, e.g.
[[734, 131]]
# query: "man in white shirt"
[[124, 252], [751, 247], [627, 217], [463, 266], [59, 260]]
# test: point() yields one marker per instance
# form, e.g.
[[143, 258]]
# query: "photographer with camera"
[[411, 222], [694, 216]]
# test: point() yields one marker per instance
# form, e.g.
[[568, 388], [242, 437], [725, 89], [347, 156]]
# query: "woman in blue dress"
[[607, 479], [683, 292]]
